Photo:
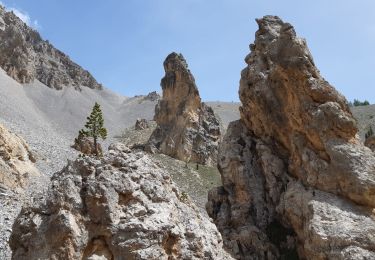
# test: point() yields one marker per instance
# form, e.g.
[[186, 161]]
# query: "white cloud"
[[24, 16]]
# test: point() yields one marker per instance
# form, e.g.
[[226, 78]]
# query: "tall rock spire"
[[187, 129], [296, 180]]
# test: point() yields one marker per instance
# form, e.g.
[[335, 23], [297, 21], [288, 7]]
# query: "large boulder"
[[16, 161], [187, 128], [296, 178], [121, 206]]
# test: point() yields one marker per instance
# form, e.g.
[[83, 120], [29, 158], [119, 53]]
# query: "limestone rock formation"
[[296, 180], [370, 142], [26, 57], [187, 128], [152, 96], [86, 146], [16, 161], [141, 124], [121, 206]]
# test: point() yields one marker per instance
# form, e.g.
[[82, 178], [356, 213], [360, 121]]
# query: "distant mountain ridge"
[[26, 57]]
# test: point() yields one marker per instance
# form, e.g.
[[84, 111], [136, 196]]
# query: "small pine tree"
[[94, 127]]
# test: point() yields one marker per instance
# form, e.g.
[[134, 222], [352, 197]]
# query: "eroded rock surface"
[[26, 57], [187, 128], [16, 161], [370, 142], [296, 180], [121, 206], [141, 124], [86, 146]]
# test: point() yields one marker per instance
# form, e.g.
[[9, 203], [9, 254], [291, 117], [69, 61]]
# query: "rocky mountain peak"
[[187, 128], [26, 57], [295, 176]]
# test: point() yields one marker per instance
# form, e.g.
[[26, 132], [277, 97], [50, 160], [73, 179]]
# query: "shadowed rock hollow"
[[121, 206], [296, 180], [187, 128]]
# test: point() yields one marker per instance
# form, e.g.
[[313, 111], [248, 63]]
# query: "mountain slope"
[[25, 56]]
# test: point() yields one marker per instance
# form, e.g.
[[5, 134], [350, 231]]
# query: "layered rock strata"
[[296, 180], [121, 206], [187, 128]]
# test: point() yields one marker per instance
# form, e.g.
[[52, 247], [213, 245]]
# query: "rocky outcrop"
[[370, 142], [121, 206], [296, 180], [26, 57], [86, 146], [187, 128], [141, 124], [16, 161], [152, 96]]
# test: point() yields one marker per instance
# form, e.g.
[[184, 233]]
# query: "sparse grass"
[[130, 136], [194, 182]]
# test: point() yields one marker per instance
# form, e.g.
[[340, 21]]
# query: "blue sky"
[[123, 43]]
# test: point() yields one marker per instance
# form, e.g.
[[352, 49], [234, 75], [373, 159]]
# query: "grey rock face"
[[141, 124], [296, 180], [26, 57], [152, 96], [121, 206], [187, 128]]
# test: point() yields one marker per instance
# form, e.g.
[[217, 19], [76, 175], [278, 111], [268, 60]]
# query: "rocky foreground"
[[121, 206], [297, 182]]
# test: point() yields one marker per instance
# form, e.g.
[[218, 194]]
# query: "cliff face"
[[121, 206], [26, 57], [187, 128], [16, 161], [296, 180]]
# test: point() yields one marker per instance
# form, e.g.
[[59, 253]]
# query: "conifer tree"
[[94, 127]]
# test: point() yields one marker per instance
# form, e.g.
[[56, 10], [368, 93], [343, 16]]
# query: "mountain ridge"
[[26, 57]]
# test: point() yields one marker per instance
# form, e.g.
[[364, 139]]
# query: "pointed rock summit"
[[296, 180], [187, 128]]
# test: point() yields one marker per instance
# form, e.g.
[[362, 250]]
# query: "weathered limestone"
[[121, 206], [296, 180], [16, 161], [187, 128]]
